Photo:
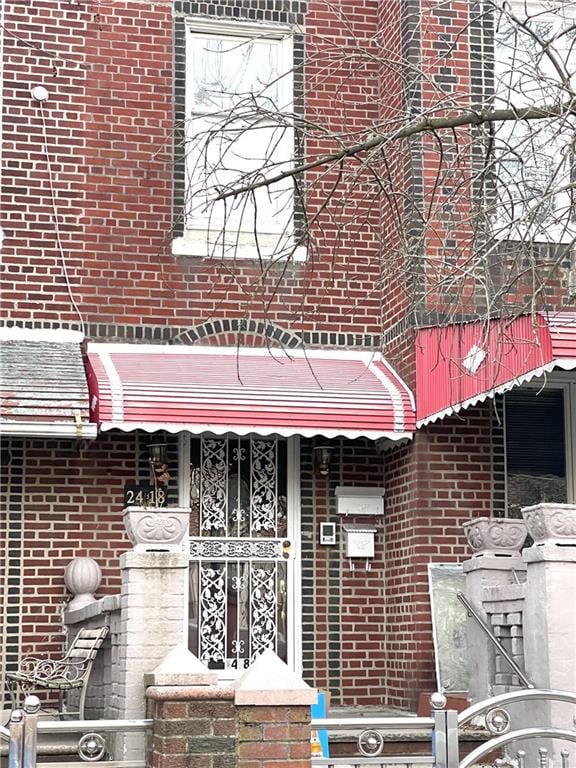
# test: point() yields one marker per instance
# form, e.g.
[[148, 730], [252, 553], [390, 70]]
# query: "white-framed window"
[[239, 130], [535, 65], [540, 439]]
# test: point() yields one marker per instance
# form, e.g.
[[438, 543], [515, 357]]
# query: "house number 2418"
[[144, 496]]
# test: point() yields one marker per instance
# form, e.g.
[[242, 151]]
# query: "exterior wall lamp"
[[322, 459], [158, 458], [158, 452]]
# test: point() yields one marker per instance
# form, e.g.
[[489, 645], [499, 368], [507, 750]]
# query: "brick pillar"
[[264, 720], [273, 734], [153, 611], [194, 727]]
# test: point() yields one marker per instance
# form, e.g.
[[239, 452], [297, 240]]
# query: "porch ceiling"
[[262, 391], [463, 364], [43, 388]]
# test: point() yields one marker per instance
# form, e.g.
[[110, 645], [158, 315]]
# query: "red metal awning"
[[462, 364], [215, 389]]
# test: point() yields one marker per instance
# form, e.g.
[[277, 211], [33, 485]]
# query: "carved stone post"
[[550, 618], [153, 607], [496, 561]]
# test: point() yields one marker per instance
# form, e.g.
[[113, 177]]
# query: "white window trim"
[[566, 383], [562, 233], [195, 241]]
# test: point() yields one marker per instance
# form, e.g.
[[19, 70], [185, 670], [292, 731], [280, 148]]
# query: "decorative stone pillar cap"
[[180, 667], [271, 682], [551, 523], [495, 535], [156, 529]]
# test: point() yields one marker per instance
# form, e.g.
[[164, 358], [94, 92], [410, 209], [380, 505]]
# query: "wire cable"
[[56, 220]]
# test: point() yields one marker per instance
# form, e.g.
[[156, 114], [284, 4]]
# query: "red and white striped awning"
[[463, 364], [262, 391]]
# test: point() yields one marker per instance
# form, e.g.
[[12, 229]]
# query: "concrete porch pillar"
[[497, 561], [153, 611], [550, 615]]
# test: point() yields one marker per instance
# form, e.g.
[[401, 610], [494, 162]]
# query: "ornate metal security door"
[[239, 551]]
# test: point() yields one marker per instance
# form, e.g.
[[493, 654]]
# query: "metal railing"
[[444, 730], [498, 721], [371, 737], [25, 727]]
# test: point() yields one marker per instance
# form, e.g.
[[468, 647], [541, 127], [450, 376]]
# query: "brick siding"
[[110, 126], [69, 505], [433, 486], [109, 118], [195, 728]]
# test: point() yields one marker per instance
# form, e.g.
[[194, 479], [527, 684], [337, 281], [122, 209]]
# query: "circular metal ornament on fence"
[[91, 747], [498, 721], [370, 743]]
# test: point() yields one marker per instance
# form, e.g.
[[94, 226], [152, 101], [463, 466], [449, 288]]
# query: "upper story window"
[[535, 65], [239, 131]]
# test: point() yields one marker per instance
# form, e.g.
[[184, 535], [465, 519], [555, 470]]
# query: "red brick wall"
[[207, 729], [433, 485], [72, 507], [399, 202], [363, 622], [462, 275], [109, 121], [447, 189], [108, 70], [10, 557], [370, 629], [343, 620]]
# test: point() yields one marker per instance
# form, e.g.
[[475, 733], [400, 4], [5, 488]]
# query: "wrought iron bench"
[[66, 674]]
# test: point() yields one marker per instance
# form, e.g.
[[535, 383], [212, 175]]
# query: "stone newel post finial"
[[82, 577]]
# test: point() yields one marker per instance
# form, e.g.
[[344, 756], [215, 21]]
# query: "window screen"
[[535, 448]]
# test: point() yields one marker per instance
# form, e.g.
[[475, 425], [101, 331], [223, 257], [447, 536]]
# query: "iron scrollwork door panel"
[[238, 550]]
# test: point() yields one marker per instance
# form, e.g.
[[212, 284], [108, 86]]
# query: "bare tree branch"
[[425, 124]]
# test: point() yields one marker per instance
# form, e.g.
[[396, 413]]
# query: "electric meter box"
[[359, 540], [360, 501]]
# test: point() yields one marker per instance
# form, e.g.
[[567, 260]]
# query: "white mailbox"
[[359, 540], [360, 501]]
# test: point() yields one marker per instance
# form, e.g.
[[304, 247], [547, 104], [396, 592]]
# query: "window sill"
[[197, 244], [517, 234]]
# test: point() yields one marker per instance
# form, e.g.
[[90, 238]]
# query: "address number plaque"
[[144, 495]]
